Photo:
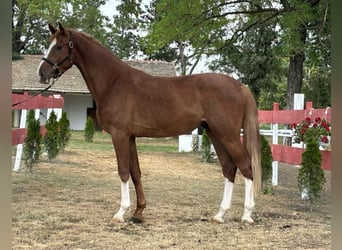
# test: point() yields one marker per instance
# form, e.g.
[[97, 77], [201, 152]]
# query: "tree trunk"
[[295, 76]]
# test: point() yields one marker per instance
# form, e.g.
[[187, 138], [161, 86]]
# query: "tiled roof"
[[24, 75]]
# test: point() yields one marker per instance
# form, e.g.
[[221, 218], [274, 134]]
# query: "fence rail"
[[287, 154], [26, 102]]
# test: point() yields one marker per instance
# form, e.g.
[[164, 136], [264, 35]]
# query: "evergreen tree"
[[52, 137], [311, 176], [64, 131], [205, 147], [33, 141], [89, 130], [266, 165]]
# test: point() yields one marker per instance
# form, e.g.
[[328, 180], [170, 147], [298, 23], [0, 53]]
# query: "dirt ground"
[[68, 204]]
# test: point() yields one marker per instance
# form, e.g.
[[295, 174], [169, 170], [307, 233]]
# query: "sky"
[[109, 9]]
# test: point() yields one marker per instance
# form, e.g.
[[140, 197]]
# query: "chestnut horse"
[[131, 103]]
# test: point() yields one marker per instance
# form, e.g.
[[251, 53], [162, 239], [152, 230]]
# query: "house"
[[78, 102]]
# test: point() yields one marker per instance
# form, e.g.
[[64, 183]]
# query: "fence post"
[[275, 141], [20, 146]]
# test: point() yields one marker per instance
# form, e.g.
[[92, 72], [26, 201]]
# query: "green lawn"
[[102, 141]]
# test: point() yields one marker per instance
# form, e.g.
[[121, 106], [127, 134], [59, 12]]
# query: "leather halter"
[[55, 66]]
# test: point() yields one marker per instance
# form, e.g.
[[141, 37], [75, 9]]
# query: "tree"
[[213, 26], [89, 130], [30, 18], [205, 147], [33, 141], [167, 32], [254, 60], [311, 176], [266, 165], [64, 131], [124, 38], [52, 137]]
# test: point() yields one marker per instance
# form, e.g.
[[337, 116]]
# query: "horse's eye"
[[59, 47]]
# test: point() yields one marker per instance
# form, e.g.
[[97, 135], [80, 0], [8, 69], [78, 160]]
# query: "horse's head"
[[57, 58]]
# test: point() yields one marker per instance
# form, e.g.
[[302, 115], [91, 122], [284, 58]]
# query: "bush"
[[311, 176], [64, 131], [205, 147], [33, 141], [266, 165], [52, 137], [89, 130]]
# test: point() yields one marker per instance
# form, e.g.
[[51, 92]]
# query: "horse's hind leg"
[[229, 172], [136, 178], [240, 157]]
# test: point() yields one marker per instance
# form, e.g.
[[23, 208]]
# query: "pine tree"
[[89, 130], [266, 165], [33, 141], [64, 131], [205, 147], [52, 137]]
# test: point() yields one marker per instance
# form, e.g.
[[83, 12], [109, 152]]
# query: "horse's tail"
[[252, 138]]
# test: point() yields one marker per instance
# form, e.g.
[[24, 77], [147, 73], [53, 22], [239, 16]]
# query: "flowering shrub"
[[320, 130]]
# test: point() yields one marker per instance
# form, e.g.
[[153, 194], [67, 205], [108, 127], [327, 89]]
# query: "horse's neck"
[[99, 67]]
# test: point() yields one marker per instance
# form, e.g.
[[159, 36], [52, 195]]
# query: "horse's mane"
[[89, 37], [92, 39]]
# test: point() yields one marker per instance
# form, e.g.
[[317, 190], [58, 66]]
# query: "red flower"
[[294, 125], [308, 120], [318, 120], [325, 139], [315, 125]]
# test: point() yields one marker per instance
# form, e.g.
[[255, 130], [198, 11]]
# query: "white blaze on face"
[[52, 44]]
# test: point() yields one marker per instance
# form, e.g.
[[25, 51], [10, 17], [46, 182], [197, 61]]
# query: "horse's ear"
[[61, 28], [52, 29]]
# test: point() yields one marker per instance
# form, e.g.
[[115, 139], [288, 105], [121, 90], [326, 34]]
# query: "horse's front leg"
[[121, 145], [136, 178]]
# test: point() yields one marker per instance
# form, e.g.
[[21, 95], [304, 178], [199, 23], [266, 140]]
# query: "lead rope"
[[41, 91]]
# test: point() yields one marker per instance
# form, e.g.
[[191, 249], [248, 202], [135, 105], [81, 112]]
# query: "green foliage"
[[30, 18], [33, 141], [124, 39], [266, 165], [253, 58], [64, 131], [205, 147], [52, 137], [89, 130], [319, 78], [311, 176]]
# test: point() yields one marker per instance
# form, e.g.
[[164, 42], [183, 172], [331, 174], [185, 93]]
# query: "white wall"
[[76, 108]]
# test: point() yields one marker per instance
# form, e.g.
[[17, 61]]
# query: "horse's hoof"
[[117, 219], [247, 220], [136, 219], [217, 220]]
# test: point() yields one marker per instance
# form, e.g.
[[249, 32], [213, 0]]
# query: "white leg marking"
[[52, 44], [125, 202], [226, 200], [249, 201]]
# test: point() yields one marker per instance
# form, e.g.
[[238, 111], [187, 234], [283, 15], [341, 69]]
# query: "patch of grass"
[[157, 148], [103, 142]]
